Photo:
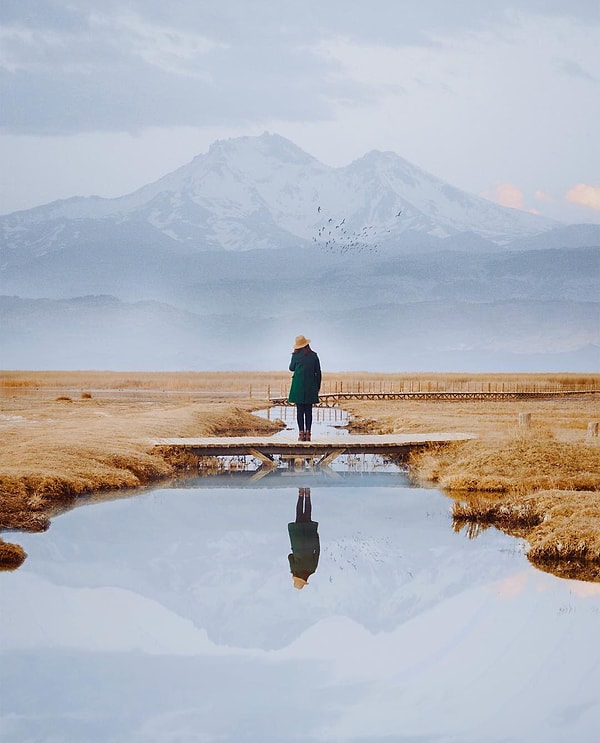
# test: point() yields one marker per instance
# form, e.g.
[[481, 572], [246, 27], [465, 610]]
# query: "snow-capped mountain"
[[265, 192]]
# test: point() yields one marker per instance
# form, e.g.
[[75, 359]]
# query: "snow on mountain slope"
[[265, 192]]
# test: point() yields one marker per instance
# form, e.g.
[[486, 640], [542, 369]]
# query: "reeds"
[[276, 382]]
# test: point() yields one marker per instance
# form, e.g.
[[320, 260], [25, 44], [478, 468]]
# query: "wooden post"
[[524, 420], [592, 429]]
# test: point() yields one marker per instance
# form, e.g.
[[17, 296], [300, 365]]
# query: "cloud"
[[543, 196], [169, 49], [106, 69], [123, 65], [574, 69], [585, 195], [507, 194]]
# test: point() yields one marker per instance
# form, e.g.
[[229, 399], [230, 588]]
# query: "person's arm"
[[318, 372], [292, 366]]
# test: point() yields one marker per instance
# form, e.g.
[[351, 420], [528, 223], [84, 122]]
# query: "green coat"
[[306, 548], [306, 381]]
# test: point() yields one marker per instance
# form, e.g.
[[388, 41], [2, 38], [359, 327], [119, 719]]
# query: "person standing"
[[306, 383]]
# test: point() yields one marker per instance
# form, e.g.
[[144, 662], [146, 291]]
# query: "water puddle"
[[174, 616], [327, 422]]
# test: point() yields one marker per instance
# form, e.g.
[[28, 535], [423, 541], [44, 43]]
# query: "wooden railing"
[[330, 399]]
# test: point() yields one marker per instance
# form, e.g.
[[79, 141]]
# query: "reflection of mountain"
[[146, 620], [220, 559], [214, 265]]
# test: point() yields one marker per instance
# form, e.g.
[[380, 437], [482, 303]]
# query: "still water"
[[172, 617]]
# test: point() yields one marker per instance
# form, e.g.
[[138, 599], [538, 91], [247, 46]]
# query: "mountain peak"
[[385, 160], [268, 145]]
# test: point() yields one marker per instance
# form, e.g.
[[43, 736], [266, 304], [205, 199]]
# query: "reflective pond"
[[172, 616]]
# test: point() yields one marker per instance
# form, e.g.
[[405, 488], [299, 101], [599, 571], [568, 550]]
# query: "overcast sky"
[[498, 97]]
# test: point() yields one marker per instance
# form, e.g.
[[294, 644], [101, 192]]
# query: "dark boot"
[[301, 436], [307, 436]]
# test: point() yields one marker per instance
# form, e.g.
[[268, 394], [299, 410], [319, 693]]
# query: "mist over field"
[[220, 264]]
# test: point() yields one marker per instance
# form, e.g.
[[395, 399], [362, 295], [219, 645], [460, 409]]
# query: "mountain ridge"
[[266, 192]]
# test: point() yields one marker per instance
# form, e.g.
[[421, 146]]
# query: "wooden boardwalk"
[[321, 451], [331, 399]]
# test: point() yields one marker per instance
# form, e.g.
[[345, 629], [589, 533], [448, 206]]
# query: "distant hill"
[[103, 332]]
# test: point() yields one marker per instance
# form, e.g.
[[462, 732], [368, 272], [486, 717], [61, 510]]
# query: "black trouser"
[[303, 506], [304, 416]]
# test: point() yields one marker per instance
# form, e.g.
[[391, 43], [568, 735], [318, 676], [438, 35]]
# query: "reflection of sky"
[[327, 422], [172, 617]]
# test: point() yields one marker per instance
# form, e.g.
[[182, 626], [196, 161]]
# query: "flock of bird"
[[337, 237]]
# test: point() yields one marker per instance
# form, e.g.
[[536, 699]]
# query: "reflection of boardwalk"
[[322, 452], [333, 398]]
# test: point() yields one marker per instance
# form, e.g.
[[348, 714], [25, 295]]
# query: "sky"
[[500, 98]]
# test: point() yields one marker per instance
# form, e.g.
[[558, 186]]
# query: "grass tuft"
[[12, 556]]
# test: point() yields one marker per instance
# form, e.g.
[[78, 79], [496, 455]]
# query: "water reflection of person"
[[304, 539]]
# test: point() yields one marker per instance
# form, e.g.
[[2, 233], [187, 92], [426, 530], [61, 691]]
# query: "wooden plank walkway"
[[322, 451], [331, 399]]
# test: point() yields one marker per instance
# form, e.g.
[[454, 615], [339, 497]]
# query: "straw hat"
[[301, 341], [299, 583]]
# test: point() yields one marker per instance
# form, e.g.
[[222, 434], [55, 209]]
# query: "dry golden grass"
[[566, 418], [241, 383], [521, 464], [56, 448], [133, 380]]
